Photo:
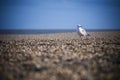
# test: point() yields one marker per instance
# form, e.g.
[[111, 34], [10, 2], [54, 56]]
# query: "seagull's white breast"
[[82, 31]]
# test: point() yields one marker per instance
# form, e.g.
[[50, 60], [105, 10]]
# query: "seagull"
[[82, 30]]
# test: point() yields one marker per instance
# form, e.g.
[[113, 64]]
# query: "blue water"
[[44, 31]]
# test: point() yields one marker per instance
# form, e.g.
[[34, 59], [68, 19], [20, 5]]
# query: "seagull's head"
[[79, 26]]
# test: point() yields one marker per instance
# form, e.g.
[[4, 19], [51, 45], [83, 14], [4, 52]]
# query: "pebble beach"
[[60, 56]]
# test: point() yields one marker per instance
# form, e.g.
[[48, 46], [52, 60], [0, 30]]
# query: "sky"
[[59, 14]]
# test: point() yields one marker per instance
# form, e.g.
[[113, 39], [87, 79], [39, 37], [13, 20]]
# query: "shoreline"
[[60, 36]]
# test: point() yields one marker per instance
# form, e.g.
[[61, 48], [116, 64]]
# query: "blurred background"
[[59, 14]]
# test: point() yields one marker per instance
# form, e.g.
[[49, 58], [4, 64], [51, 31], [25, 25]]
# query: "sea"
[[49, 31]]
